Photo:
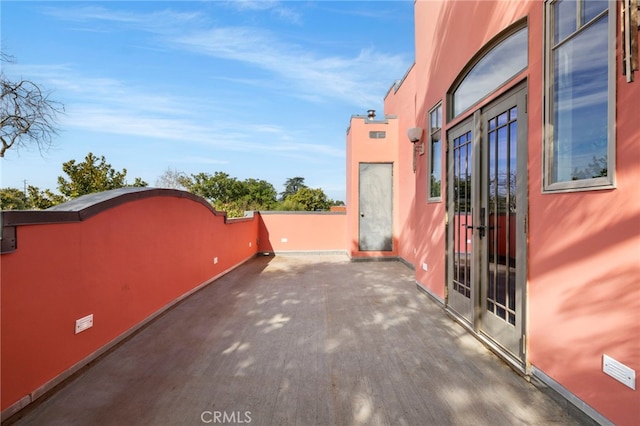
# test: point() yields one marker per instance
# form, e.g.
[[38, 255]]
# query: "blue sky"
[[259, 90]]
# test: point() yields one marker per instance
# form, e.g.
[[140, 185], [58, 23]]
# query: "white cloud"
[[360, 79], [277, 8], [109, 106], [154, 21]]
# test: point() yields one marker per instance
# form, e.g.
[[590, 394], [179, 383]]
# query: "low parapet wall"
[[291, 232], [113, 260]]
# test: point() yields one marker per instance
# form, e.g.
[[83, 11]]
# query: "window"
[[434, 183], [580, 98], [377, 134], [497, 66]]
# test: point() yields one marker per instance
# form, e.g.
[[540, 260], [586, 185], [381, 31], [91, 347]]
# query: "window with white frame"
[[434, 180], [580, 94]]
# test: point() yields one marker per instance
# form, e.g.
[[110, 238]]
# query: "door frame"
[[476, 324]]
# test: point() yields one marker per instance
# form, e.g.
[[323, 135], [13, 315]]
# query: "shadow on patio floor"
[[301, 340]]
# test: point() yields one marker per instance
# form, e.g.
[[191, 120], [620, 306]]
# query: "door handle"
[[482, 229]]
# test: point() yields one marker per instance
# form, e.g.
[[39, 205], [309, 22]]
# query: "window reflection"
[[496, 67], [502, 173], [462, 220], [564, 19], [580, 102], [593, 8], [435, 154]]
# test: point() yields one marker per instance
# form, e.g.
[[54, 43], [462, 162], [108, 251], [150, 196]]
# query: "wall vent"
[[619, 371], [84, 323]]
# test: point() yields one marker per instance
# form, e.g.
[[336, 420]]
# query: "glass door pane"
[[460, 180], [463, 221], [501, 246], [503, 194]]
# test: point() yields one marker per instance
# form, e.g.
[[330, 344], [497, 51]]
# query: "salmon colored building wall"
[[122, 265], [406, 117], [124, 258], [585, 273], [282, 232], [583, 283], [362, 149]]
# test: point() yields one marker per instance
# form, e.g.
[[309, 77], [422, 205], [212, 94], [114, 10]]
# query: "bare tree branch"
[[27, 115]]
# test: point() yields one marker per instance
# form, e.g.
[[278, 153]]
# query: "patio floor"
[[301, 340]]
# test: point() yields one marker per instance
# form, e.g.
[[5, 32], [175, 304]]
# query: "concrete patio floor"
[[302, 340]]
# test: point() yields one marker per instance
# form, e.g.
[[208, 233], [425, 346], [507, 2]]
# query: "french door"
[[487, 206]]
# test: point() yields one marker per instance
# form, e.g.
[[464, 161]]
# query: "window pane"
[[435, 154], [496, 67], [593, 8], [436, 165], [581, 105], [564, 17]]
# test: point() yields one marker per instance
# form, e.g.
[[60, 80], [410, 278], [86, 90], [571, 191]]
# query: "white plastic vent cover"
[[84, 323], [619, 371]]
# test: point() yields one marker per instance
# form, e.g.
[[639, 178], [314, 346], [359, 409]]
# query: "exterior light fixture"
[[414, 134], [371, 114]]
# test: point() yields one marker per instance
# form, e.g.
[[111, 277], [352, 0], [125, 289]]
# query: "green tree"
[[13, 199], [217, 188], [41, 200], [231, 195], [291, 186], [92, 175], [309, 199], [259, 195]]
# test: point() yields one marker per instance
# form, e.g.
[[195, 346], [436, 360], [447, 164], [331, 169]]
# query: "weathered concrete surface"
[[301, 340]]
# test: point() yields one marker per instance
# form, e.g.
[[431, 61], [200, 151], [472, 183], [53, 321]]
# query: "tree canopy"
[[307, 199], [171, 179], [229, 194], [291, 186], [224, 192], [92, 175], [13, 199]]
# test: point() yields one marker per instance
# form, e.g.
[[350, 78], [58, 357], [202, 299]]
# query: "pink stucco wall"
[[585, 274], [406, 114], [362, 149], [583, 288], [121, 265], [124, 265], [282, 232]]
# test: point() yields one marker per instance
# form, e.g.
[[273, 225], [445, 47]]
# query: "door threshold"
[[514, 363]]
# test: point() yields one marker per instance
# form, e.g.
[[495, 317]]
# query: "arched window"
[[502, 62]]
